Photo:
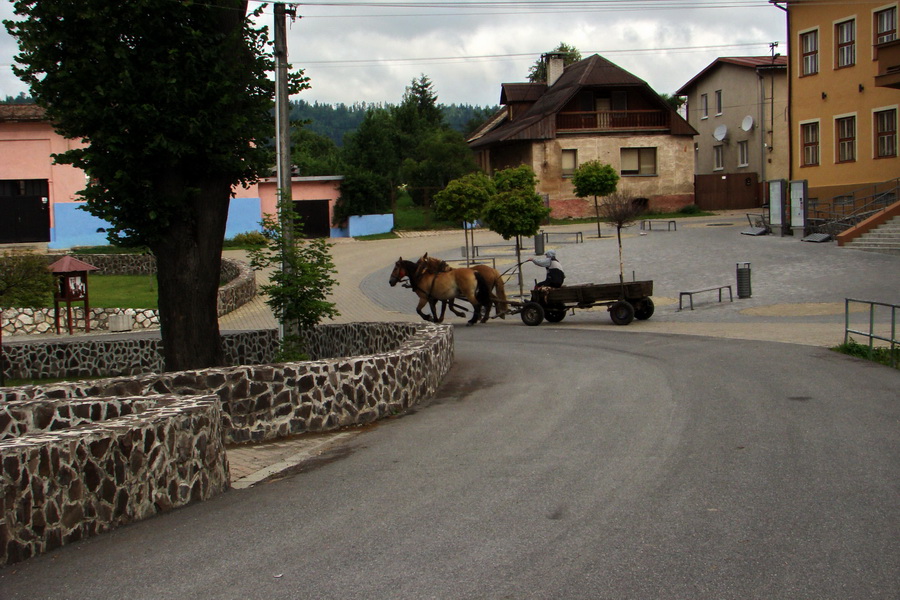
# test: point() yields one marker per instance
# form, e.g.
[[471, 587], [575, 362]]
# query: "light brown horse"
[[492, 277], [455, 283], [406, 269]]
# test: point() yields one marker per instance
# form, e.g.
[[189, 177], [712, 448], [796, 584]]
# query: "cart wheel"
[[621, 313], [555, 315], [643, 309], [532, 313]]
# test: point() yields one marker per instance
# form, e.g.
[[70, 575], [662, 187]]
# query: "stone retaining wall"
[[239, 288], [79, 458], [72, 469]]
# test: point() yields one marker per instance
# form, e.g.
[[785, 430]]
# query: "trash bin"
[[539, 243], [743, 280]]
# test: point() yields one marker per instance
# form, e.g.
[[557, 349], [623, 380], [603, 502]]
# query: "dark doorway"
[[314, 216], [24, 211]]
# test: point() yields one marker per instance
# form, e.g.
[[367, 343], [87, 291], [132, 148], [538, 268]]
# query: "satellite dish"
[[747, 123], [720, 133]]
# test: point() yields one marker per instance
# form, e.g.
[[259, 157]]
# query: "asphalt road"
[[555, 463]]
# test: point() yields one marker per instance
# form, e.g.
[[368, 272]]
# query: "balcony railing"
[[611, 120]]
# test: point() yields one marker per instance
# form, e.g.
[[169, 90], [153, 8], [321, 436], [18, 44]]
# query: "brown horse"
[[492, 278], [406, 269], [448, 285]]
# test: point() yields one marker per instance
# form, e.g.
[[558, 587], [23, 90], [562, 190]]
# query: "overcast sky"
[[363, 52]]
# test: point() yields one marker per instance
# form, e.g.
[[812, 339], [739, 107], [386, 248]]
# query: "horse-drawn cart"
[[626, 302]]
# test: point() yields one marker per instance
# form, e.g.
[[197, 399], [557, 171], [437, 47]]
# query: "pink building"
[[39, 200]]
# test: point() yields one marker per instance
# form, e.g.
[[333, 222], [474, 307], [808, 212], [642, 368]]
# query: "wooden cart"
[[626, 302]]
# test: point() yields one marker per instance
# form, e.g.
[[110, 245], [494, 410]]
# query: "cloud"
[[365, 54]]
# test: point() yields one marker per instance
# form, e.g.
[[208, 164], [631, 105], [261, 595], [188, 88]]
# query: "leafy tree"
[[440, 157], [375, 145], [313, 153], [420, 103], [464, 199], [622, 211], [172, 99], [362, 193], [516, 209], [595, 178], [538, 71], [25, 280], [300, 279], [674, 101]]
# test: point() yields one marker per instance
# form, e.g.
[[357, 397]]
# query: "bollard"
[[743, 280], [539, 243]]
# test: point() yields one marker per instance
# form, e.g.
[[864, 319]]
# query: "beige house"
[[738, 105], [590, 110]]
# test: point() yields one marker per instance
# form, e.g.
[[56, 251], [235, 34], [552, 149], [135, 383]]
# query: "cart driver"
[[555, 275]]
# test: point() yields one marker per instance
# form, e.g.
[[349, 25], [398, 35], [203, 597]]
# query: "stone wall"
[[238, 288], [80, 458], [72, 469], [134, 354]]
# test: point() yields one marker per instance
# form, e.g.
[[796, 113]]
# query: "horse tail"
[[482, 290], [503, 305]]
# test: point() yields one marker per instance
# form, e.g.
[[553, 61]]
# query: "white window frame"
[[814, 63], [851, 46], [743, 153], [875, 13], [875, 139], [837, 138], [818, 124], [718, 157]]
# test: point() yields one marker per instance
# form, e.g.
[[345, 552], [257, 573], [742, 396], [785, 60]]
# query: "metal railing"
[[846, 210], [870, 334]]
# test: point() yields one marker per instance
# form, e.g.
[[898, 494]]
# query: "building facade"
[[738, 105], [590, 110], [843, 122]]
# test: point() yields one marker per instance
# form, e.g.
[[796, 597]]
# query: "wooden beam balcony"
[[612, 120]]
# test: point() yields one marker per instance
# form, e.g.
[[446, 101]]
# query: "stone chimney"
[[555, 65]]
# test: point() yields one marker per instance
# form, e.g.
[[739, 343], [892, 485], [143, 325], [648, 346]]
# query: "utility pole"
[[283, 139]]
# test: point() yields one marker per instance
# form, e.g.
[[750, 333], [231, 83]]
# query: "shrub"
[[690, 209], [249, 239]]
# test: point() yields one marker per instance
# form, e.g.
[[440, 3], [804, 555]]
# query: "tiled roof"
[[751, 62], [21, 112]]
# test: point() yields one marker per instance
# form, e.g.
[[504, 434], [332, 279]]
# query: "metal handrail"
[[894, 342], [833, 222]]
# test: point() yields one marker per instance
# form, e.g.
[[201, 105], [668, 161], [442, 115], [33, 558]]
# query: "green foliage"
[[301, 276], [538, 71], [314, 154], [516, 209], [123, 291], [464, 199], [880, 355], [25, 281], [690, 209], [291, 349], [440, 157], [675, 102], [247, 240], [595, 178], [362, 193], [375, 145]]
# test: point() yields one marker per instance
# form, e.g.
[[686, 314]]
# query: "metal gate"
[[727, 191], [24, 211]]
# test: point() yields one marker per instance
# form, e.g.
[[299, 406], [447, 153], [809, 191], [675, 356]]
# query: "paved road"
[[555, 462]]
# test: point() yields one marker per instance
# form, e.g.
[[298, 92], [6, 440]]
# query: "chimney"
[[555, 65]]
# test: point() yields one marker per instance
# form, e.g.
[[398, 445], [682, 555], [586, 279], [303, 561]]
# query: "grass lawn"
[[122, 291]]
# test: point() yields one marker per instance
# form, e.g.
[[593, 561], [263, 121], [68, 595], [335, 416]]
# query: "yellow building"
[[843, 115]]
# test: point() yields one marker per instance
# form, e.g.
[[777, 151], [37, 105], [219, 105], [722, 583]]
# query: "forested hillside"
[[335, 120]]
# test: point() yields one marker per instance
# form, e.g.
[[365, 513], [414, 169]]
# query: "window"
[[704, 106], [569, 162], [886, 133], [886, 25], [718, 102], [638, 161], [809, 134], [743, 153], [846, 139], [845, 34], [718, 158], [809, 45]]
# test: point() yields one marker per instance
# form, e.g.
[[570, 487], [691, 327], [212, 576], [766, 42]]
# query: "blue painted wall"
[[75, 227], [370, 224]]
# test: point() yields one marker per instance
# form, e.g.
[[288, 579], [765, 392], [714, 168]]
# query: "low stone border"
[[80, 458], [75, 468], [239, 290]]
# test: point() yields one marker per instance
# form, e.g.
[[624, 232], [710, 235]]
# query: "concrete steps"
[[884, 239]]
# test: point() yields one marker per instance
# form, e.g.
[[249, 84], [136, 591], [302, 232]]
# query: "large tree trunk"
[[188, 264]]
